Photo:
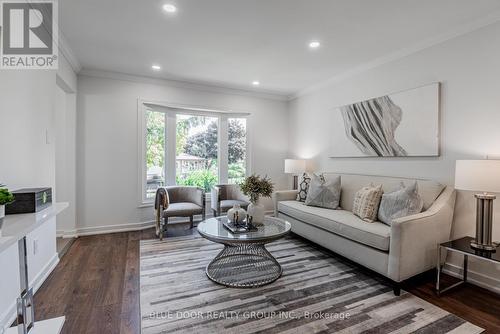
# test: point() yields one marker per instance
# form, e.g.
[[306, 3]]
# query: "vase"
[[257, 212], [236, 214]]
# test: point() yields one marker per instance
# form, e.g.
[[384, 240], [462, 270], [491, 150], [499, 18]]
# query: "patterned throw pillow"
[[322, 193], [400, 203], [304, 182], [366, 202]]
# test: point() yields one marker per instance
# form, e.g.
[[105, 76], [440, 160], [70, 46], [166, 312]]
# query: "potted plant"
[[255, 187], [6, 197]]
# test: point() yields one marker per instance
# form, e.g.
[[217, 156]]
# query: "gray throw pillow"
[[323, 193], [400, 203]]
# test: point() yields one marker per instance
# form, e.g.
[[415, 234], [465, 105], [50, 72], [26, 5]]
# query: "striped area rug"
[[318, 293]]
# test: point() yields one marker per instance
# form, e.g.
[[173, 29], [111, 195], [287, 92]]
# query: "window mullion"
[[170, 147], [223, 148]]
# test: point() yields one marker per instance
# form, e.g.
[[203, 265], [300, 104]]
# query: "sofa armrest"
[[283, 195], [200, 197], [215, 198], [414, 239]]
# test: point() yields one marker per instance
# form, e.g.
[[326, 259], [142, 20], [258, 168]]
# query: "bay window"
[[237, 149], [190, 147], [196, 151]]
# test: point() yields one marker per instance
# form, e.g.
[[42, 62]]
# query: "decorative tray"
[[239, 228]]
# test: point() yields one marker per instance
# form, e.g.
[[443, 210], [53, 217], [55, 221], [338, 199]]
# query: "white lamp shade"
[[294, 166], [478, 175]]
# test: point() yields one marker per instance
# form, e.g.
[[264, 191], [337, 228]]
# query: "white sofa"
[[404, 249]]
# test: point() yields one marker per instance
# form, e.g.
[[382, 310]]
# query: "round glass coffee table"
[[244, 262]]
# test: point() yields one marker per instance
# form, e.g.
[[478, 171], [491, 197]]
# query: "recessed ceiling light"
[[255, 83], [169, 8], [156, 67], [314, 44]]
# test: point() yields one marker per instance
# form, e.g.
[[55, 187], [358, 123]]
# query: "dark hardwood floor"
[[96, 286]]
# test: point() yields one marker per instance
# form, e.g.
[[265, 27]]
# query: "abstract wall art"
[[402, 124]]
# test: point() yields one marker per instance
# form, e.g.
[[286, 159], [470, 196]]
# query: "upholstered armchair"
[[225, 196], [178, 201]]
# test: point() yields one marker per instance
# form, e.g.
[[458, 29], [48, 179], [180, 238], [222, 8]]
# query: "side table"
[[462, 246]]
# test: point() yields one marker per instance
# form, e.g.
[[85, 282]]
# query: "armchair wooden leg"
[[163, 227], [191, 220]]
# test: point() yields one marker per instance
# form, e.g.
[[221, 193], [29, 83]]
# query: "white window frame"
[[171, 111]]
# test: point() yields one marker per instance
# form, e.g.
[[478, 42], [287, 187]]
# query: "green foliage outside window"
[[155, 139], [204, 144], [202, 178], [236, 172]]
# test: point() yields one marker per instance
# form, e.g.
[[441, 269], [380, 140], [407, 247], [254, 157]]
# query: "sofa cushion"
[[182, 209], [429, 190], [341, 222], [229, 203]]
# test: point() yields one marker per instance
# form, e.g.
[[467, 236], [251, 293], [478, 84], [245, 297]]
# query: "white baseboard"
[[105, 229], [474, 277], [36, 283], [66, 234], [83, 231]]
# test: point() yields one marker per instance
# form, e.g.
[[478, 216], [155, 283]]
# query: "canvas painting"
[[403, 124]]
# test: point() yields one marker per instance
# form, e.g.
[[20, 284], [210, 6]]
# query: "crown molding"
[[205, 87], [464, 29], [68, 53]]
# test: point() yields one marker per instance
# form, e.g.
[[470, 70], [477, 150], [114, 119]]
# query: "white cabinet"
[[9, 283], [41, 252]]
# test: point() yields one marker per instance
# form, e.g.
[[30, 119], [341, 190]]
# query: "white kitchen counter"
[[15, 227], [39, 232]]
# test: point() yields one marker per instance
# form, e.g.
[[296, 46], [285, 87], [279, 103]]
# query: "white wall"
[[26, 120], [107, 137], [468, 68], [65, 133]]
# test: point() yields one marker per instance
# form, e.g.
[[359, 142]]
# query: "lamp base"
[[485, 247], [484, 222]]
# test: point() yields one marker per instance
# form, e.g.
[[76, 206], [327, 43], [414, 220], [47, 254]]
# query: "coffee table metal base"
[[245, 265]]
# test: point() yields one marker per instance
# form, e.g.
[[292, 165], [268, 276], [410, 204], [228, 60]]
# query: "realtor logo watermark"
[[28, 34]]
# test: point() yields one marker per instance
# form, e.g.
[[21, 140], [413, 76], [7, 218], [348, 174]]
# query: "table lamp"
[[295, 166], [480, 175]]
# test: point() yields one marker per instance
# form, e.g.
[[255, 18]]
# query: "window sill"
[[146, 205]]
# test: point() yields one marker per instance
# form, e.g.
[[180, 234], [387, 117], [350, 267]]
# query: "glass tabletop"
[[271, 229], [463, 245]]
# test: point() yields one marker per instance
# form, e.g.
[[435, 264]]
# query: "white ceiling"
[[233, 42]]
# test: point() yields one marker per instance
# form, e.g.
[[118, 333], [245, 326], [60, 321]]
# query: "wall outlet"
[[35, 246]]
